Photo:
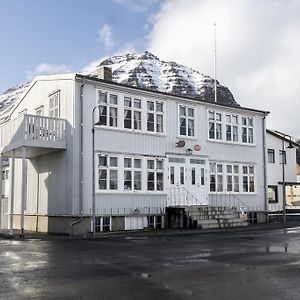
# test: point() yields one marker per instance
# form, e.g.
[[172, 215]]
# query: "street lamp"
[[283, 160], [93, 170]]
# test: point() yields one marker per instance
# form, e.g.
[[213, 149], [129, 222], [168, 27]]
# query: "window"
[[232, 178], [172, 175], [132, 174], [231, 128], [155, 178], [216, 177], [248, 179], [132, 113], [186, 121], [155, 116], [271, 156], [272, 194], [54, 105], [108, 106], [214, 125], [107, 172], [247, 130], [39, 111], [282, 155]]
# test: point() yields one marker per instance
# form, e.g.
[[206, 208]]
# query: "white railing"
[[30, 130], [180, 196]]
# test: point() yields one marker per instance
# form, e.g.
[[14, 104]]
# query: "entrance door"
[[198, 186], [188, 182]]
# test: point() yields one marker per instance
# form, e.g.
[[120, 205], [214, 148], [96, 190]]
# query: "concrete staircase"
[[206, 217]]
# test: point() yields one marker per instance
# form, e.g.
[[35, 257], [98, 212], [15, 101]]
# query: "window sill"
[[99, 127], [230, 143]]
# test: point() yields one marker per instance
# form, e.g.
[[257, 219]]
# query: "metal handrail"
[[186, 195]]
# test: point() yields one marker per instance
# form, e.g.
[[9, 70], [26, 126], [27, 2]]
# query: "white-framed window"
[[155, 175], [107, 172], [247, 130], [132, 113], [54, 100], [232, 177], [108, 106], [248, 179], [186, 120], [155, 116], [271, 156], [232, 129], [214, 125], [216, 177], [39, 111], [132, 174]]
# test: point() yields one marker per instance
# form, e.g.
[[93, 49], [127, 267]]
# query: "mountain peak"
[[145, 70]]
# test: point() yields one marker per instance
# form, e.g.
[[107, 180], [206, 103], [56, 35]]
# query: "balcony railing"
[[33, 131]]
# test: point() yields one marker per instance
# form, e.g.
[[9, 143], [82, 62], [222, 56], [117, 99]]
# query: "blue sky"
[[258, 43], [65, 33]]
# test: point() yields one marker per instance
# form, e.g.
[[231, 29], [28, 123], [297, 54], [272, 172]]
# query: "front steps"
[[205, 217]]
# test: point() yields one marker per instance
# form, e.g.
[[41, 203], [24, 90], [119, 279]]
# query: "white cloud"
[[106, 36], [258, 44], [47, 69], [137, 5]]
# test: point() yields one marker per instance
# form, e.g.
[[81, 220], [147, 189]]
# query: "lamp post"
[[283, 161], [93, 171]]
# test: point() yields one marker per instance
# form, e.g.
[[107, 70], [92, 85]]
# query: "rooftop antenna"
[[215, 59]]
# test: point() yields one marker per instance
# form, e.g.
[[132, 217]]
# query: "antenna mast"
[[215, 60]]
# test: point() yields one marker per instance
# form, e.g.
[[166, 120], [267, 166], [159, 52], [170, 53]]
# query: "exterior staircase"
[[185, 211], [206, 217]]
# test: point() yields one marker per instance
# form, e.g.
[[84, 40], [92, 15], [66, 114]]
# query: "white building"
[[278, 143], [152, 150]]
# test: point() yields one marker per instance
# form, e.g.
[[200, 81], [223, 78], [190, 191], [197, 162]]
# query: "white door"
[[188, 184], [198, 182]]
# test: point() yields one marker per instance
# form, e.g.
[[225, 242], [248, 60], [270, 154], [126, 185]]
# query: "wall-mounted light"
[[189, 151]]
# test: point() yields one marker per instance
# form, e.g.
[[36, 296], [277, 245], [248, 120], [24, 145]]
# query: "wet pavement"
[[263, 264]]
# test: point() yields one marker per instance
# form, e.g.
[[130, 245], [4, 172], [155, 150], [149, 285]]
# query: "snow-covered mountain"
[[147, 71], [9, 97]]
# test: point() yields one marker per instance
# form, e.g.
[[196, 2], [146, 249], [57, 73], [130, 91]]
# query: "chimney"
[[104, 73]]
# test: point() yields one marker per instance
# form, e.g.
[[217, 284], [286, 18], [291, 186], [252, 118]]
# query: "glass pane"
[[193, 176], [150, 122], [137, 103], [113, 99], [102, 97], [182, 126], [137, 120], [113, 182], [182, 111], [137, 180], [127, 180], [190, 127], [127, 162], [191, 112], [159, 164], [150, 181], [159, 107], [113, 161], [150, 164], [150, 105], [102, 161], [127, 101], [137, 163], [172, 178], [113, 117], [127, 118]]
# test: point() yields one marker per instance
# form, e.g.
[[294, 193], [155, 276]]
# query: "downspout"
[[81, 148], [265, 168]]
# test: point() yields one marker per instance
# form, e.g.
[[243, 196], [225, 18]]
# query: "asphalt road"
[[262, 264]]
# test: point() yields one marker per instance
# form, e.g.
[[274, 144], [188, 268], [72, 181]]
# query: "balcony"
[[40, 135]]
